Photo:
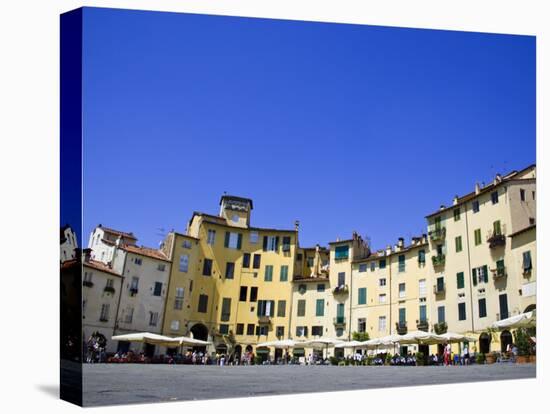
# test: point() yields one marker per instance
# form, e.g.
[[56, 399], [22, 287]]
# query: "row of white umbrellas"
[[155, 339]]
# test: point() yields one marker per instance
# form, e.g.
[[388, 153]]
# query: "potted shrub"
[[491, 357], [480, 358], [420, 358], [388, 359], [524, 347], [333, 360]]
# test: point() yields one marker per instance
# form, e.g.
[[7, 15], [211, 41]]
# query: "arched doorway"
[[505, 340], [199, 331], [484, 343], [530, 308], [238, 353]]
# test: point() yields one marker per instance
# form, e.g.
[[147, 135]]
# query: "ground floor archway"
[[505, 340], [484, 343], [199, 331]]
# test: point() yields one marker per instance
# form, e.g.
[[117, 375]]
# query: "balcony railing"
[[438, 260], [339, 320], [440, 328], [401, 328], [439, 288], [264, 319], [496, 240], [341, 290], [87, 283], [499, 272], [437, 234], [422, 325], [109, 289]]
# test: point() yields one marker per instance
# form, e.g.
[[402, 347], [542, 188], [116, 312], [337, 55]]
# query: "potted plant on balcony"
[[440, 328]]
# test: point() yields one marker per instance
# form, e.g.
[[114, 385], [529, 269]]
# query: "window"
[[284, 273], [321, 287], [175, 325], [340, 312], [302, 289], [211, 237], [226, 309], [153, 318], [286, 243], [480, 275], [477, 237], [224, 329], [253, 294], [317, 330], [496, 227], [458, 244], [382, 264], [382, 298], [281, 308], [522, 194], [503, 305], [422, 288], [494, 197], [456, 214], [320, 307], [250, 329], [382, 281], [362, 267], [372, 266], [229, 270], [402, 316], [482, 306], [186, 244], [299, 257], [190, 286], [271, 243], [178, 301], [137, 261], [422, 256], [246, 260], [440, 314], [235, 218], [462, 311], [361, 325], [240, 329], [381, 324], [422, 313], [134, 284], [268, 277], [266, 308], [341, 252], [301, 307], [157, 290], [301, 331], [310, 261], [243, 293], [475, 206], [533, 194], [104, 316], [341, 279], [233, 240], [460, 280], [129, 315], [254, 237], [440, 284], [401, 260], [110, 283], [184, 263], [88, 276], [401, 290], [531, 220], [280, 331], [527, 264], [161, 267], [207, 267], [362, 296], [256, 261], [203, 303]]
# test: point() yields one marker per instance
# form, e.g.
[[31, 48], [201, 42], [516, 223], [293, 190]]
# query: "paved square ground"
[[108, 384]]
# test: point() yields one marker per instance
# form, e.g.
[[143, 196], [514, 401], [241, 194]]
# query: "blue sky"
[[343, 127]]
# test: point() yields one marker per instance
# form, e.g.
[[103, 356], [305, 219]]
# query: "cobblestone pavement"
[[109, 384]]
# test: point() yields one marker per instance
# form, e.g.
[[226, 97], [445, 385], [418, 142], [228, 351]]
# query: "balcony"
[[401, 328], [264, 319], [499, 273], [422, 325], [340, 321], [437, 234], [438, 260], [109, 289], [440, 328], [340, 290], [496, 240], [87, 283], [439, 288]]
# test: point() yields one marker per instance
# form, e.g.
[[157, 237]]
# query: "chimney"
[[455, 200], [442, 207], [388, 250], [87, 253], [297, 225], [400, 242], [424, 238], [477, 188], [498, 178]]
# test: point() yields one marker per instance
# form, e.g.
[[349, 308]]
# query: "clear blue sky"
[[343, 127]]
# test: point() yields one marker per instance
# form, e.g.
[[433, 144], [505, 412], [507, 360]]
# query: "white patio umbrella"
[[323, 342], [148, 338], [283, 343], [186, 340], [351, 344], [456, 337], [523, 320], [421, 337]]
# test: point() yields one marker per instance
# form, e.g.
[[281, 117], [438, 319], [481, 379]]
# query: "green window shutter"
[[460, 280], [268, 273], [239, 241], [496, 227], [474, 277], [320, 307], [226, 240], [362, 296], [265, 244], [340, 310], [485, 274], [277, 243], [284, 273]]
